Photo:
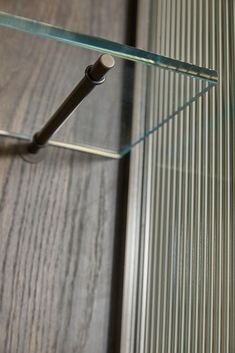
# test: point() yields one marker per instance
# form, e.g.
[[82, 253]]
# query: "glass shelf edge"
[[154, 129], [101, 45], [100, 152], [108, 153]]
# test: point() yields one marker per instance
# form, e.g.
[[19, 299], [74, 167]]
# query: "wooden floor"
[[58, 219]]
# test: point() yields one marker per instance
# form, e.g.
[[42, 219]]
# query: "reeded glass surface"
[[104, 120]]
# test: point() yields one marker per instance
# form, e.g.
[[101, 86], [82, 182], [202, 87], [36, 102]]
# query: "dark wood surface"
[[59, 218]]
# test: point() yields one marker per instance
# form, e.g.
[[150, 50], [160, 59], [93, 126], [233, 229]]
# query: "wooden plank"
[[57, 218]]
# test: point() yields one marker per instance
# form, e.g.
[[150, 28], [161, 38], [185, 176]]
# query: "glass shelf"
[[103, 124]]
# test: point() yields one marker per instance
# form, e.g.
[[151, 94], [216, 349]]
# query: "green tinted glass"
[[105, 120]]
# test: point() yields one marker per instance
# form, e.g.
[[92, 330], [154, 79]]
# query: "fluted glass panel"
[[186, 270]]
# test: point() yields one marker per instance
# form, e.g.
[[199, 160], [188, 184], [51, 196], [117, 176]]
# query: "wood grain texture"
[[57, 218]]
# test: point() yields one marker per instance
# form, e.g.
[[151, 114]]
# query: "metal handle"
[[94, 75]]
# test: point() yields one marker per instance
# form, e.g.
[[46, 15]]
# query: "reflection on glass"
[[104, 119]]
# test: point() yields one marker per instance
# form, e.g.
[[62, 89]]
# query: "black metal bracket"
[[94, 75]]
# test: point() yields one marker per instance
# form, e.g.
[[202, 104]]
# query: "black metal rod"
[[94, 75]]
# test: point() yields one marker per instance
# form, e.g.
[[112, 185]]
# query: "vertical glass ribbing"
[[190, 294]]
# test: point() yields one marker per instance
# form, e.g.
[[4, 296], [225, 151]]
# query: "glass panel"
[[104, 119]]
